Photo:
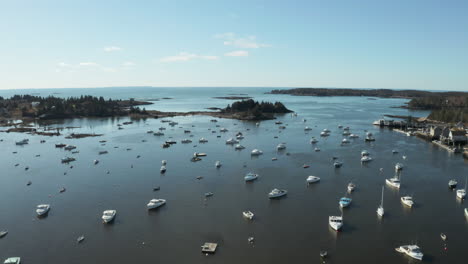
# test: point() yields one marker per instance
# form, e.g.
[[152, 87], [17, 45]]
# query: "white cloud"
[[250, 42], [63, 64], [89, 63], [128, 64], [185, 56], [112, 48], [237, 53]]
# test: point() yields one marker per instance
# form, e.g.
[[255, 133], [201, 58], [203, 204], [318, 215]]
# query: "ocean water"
[[293, 229]]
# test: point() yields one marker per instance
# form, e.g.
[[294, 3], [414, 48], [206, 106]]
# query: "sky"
[[400, 44]]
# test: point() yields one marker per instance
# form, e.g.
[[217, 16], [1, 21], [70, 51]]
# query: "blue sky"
[[359, 44]]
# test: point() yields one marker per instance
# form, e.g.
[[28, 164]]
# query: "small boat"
[[345, 141], [351, 187], [365, 153], [163, 162], [158, 133], [218, 164], [323, 253], [443, 236], [353, 136], [369, 137], [257, 124], [335, 222], [223, 130], [102, 152], [69, 147], [248, 214], [155, 203], [186, 141], [209, 194], [281, 146], [452, 184], [274, 158], [307, 128], [313, 141], [256, 152], [276, 193], [324, 134], [187, 131], [407, 200], [149, 131], [239, 137], [411, 250], [3, 233], [380, 210], [108, 216], [42, 209], [203, 140], [312, 179], [337, 164], [345, 202], [22, 142], [250, 239], [62, 190], [346, 133], [199, 154], [461, 193], [162, 128], [250, 177], [13, 260], [232, 141], [366, 159], [163, 169], [398, 166], [28, 183], [316, 149], [60, 145], [305, 166], [80, 239], [67, 159], [96, 162], [239, 147], [394, 151], [278, 122], [394, 182], [466, 212]]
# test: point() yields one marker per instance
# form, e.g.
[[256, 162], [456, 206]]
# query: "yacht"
[[256, 152], [407, 200], [337, 164], [366, 159], [239, 147], [155, 203], [232, 141], [163, 169], [351, 187], [248, 214], [217, 164], [452, 184], [281, 146], [394, 182], [12, 260], [276, 193], [345, 141], [313, 141], [398, 166], [313, 179], [345, 202], [250, 177], [42, 209], [336, 222], [307, 128], [461, 193], [353, 136], [380, 210], [158, 133], [185, 141], [411, 250], [108, 216]]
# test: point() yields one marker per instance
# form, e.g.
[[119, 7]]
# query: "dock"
[[448, 148], [209, 247]]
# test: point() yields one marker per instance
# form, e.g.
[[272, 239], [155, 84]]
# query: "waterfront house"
[[435, 132], [457, 136], [444, 136]]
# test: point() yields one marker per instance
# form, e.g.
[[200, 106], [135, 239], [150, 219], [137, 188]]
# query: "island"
[[233, 97]]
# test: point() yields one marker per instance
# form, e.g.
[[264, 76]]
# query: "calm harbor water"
[[290, 230]]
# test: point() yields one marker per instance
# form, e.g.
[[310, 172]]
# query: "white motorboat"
[[411, 250], [346, 133], [256, 152], [336, 222], [394, 151], [365, 153], [155, 203], [12, 260], [239, 137], [345, 202], [257, 124], [276, 193], [313, 141], [186, 141], [312, 179], [407, 200], [250, 177], [351, 187], [209, 194], [232, 141], [337, 164], [223, 130], [108, 216], [324, 134], [248, 214], [69, 147], [163, 169], [96, 162], [353, 136], [452, 184], [163, 162], [281, 146], [394, 182], [366, 159], [239, 147], [326, 130], [316, 149], [380, 210], [398, 166], [218, 164], [202, 140], [307, 128], [158, 133], [42, 209], [461, 193], [369, 137]]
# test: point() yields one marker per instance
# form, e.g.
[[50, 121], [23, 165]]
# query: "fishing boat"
[[380, 210], [155, 203], [324, 134], [365, 153], [22, 142], [158, 133], [345, 202], [108, 216], [452, 184], [345, 141], [407, 200], [346, 133], [394, 151], [316, 149], [276, 193], [164, 162], [250, 177], [248, 214], [335, 222], [223, 130], [369, 137], [313, 179], [411, 250], [42, 209], [67, 159], [353, 136]]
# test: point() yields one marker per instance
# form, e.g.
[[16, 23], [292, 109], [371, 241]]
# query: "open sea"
[[293, 229]]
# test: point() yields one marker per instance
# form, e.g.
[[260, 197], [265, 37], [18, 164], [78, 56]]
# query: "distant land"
[[448, 107]]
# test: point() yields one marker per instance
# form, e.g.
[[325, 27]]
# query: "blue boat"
[[345, 202]]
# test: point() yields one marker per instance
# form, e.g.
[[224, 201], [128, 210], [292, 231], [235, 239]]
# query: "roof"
[[457, 132]]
